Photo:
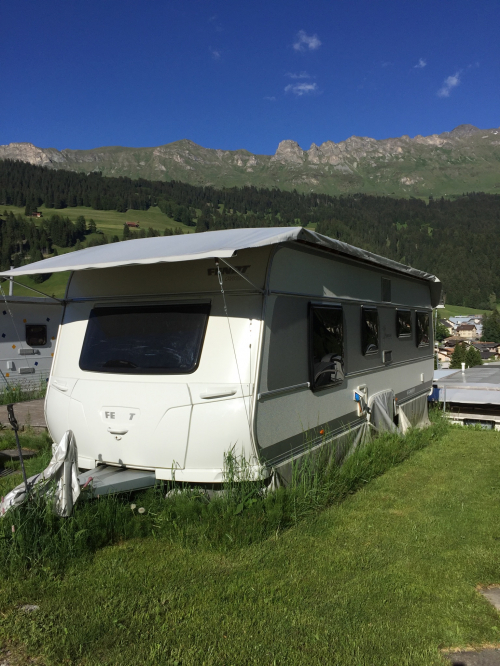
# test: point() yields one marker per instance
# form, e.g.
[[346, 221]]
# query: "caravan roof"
[[222, 244]]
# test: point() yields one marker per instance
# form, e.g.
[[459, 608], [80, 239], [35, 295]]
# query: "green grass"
[[387, 576], [110, 221], [13, 394], [55, 286], [456, 310]]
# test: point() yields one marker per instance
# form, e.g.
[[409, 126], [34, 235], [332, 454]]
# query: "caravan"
[[266, 342], [28, 333]]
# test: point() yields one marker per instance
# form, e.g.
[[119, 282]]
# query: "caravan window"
[[326, 345], [369, 330], [143, 340], [36, 335], [422, 329], [403, 323]]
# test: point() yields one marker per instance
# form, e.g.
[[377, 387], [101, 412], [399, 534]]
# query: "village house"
[[468, 331]]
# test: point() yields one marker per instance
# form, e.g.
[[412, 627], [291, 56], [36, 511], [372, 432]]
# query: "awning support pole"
[[241, 275], [25, 286]]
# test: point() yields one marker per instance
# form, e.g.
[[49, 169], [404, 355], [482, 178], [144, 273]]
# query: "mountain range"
[[464, 160]]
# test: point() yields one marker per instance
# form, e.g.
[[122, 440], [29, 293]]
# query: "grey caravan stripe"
[[309, 439], [413, 392]]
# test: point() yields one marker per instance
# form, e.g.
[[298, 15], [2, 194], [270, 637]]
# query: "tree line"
[[454, 239]]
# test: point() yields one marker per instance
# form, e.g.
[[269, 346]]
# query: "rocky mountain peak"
[[464, 130], [289, 151]]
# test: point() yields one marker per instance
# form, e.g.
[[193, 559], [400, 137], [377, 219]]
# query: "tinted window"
[[151, 339], [36, 335], [422, 329], [326, 340], [369, 330], [403, 323]]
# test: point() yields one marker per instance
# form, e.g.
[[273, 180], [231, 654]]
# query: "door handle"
[[117, 432], [218, 394], [60, 387]]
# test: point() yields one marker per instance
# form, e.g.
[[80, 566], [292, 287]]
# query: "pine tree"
[[81, 226], [92, 226], [473, 357], [126, 232], [458, 356], [491, 327]]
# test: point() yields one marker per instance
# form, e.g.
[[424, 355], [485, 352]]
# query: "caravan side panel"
[[291, 416]]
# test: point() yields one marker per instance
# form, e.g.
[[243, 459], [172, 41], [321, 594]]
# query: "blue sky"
[[244, 74]]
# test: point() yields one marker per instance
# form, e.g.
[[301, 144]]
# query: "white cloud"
[[300, 89], [300, 75], [420, 64], [305, 41], [448, 85], [216, 55]]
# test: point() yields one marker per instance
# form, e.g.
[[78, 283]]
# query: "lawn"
[[388, 576], [456, 310]]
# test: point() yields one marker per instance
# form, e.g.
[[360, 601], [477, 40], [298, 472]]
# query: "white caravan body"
[[28, 334], [157, 369]]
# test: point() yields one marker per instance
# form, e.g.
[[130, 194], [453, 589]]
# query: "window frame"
[[364, 351], [404, 336], [421, 344], [26, 335], [147, 371], [320, 305]]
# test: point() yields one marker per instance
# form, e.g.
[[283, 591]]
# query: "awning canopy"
[[189, 247]]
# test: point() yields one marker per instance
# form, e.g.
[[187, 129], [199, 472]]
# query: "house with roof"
[[468, 331]]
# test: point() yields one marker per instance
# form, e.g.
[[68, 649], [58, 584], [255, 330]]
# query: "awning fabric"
[[189, 247]]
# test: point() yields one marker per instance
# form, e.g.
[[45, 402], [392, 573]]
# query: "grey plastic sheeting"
[[412, 414], [58, 482], [382, 411], [213, 244]]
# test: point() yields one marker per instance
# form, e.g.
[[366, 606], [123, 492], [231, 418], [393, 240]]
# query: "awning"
[[190, 247]]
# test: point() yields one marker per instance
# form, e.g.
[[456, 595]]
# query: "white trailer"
[[269, 343]]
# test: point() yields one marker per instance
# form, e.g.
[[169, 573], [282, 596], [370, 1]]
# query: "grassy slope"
[[456, 310], [387, 577], [108, 221]]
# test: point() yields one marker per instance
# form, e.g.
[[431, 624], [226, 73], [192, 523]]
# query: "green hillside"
[[452, 238]]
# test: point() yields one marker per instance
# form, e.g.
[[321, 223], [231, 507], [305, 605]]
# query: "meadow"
[[108, 222], [378, 563]]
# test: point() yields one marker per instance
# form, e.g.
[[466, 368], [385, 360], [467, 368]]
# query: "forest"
[[454, 239]]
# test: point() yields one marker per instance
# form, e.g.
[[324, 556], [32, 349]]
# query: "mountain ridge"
[[447, 163]]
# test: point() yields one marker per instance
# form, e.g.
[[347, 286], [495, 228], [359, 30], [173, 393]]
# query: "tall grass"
[[244, 511], [22, 393]]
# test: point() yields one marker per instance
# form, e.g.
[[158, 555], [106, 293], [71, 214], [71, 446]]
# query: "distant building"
[[37, 214], [467, 331], [132, 224], [447, 323]]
